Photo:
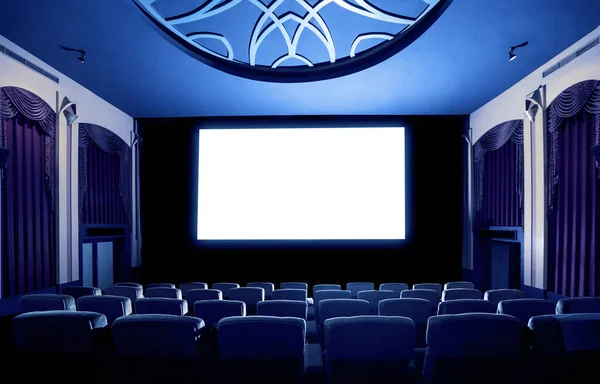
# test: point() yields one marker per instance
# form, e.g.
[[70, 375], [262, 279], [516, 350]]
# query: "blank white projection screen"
[[301, 184]]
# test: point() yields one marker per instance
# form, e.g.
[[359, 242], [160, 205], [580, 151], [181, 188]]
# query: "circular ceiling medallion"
[[291, 41]]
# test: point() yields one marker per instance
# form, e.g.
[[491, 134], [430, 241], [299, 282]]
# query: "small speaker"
[[596, 152], [4, 152]]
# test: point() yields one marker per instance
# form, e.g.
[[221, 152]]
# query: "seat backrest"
[[112, 307], [497, 295], [268, 288], [160, 285], [212, 311], [289, 294], [396, 287], [461, 293], [46, 302], [161, 306], [418, 310], [133, 293], [368, 349], [457, 307], [480, 346], [157, 336], [433, 286], [224, 288], [129, 284], [283, 308], [427, 294], [67, 332], [249, 295], [330, 294], [459, 284], [578, 305], [77, 292], [261, 337], [325, 287], [166, 292], [330, 308], [194, 295], [558, 335], [185, 287], [525, 309], [374, 297], [293, 285], [356, 287]]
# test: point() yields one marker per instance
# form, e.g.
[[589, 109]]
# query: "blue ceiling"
[[458, 65]]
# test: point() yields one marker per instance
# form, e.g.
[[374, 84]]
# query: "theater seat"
[[267, 287], [212, 311], [331, 308], [578, 305], [328, 294], [457, 307], [282, 308], [185, 287], [262, 349], [129, 284], [428, 294], [133, 293], [369, 349], [525, 309], [46, 340], [161, 306], [224, 288], [46, 302], [293, 285], [194, 295], [497, 295], [112, 307], [289, 294], [77, 292], [374, 297], [160, 285], [166, 292], [249, 295], [433, 286], [157, 348], [396, 287], [418, 310], [461, 293], [356, 287], [459, 284], [473, 348]]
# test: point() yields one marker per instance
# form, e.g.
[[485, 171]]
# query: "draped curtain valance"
[[492, 140], [14, 100], [111, 143], [581, 96]]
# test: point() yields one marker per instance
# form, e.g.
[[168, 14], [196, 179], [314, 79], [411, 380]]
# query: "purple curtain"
[[28, 221], [499, 177], [574, 191], [104, 176]]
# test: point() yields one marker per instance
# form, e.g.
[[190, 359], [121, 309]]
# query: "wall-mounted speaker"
[[4, 152], [596, 152]]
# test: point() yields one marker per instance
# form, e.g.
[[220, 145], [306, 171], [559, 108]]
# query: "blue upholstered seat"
[[249, 295], [185, 287], [224, 288], [194, 295], [578, 305], [289, 294], [457, 307], [368, 349], [356, 287], [293, 285], [461, 293], [331, 308], [497, 295], [433, 286], [328, 294], [374, 297], [396, 287], [566, 347], [459, 284], [418, 310], [133, 293], [112, 307], [262, 349], [157, 348], [282, 308], [129, 284], [212, 311], [325, 287], [160, 285], [525, 309], [46, 302], [77, 292], [428, 294], [268, 288], [161, 306], [166, 292], [473, 348]]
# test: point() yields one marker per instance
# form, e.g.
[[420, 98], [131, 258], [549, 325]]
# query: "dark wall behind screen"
[[434, 182]]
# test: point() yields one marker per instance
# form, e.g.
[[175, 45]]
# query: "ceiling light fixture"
[[82, 54], [511, 54]]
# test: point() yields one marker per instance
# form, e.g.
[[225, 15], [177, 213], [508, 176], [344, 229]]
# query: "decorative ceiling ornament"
[[292, 41]]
